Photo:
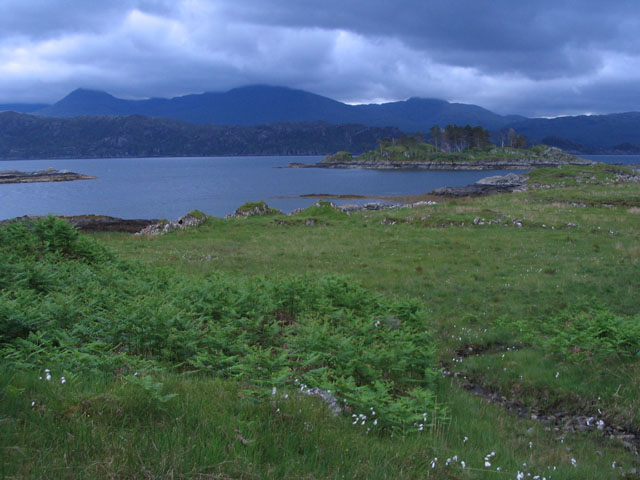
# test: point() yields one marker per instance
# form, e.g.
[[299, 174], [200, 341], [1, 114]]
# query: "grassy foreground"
[[192, 355]]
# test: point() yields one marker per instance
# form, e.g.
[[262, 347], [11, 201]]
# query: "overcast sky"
[[531, 57]]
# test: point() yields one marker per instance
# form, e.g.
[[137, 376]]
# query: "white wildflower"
[[574, 462], [63, 380], [557, 374], [274, 390]]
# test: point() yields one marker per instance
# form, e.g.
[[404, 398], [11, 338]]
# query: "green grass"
[[549, 287]]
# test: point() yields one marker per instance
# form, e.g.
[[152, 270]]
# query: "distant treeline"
[[455, 138], [28, 136]]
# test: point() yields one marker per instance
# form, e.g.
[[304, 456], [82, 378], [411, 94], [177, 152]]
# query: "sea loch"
[[170, 187]]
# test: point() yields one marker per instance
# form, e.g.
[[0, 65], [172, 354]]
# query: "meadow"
[[494, 337]]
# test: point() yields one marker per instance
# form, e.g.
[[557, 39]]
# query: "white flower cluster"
[[48, 377], [487, 458]]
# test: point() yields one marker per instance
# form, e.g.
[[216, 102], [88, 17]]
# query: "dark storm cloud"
[[540, 38], [534, 58]]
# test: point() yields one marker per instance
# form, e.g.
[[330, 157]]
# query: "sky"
[[542, 58]]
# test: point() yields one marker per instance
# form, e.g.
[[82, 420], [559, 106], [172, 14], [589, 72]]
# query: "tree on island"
[[455, 138], [514, 139], [436, 135]]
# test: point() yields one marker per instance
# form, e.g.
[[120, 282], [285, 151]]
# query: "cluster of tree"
[[454, 138], [404, 140], [511, 138]]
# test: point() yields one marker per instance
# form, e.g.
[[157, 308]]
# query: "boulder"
[[192, 219], [250, 209]]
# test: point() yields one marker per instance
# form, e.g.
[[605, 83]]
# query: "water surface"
[[170, 187]]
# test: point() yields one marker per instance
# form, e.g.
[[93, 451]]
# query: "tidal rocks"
[[48, 175], [485, 186], [104, 223], [96, 223], [510, 179]]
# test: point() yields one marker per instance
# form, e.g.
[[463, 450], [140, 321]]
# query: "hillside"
[[26, 136], [587, 133]]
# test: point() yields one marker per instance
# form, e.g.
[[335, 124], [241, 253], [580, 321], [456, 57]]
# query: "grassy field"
[[493, 337]]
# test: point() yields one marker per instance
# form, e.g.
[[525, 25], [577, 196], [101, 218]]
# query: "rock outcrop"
[[486, 186], [250, 209], [48, 175], [192, 219]]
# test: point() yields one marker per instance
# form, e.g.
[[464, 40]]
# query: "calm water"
[[171, 187]]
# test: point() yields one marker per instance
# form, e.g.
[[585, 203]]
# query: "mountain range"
[[261, 105]]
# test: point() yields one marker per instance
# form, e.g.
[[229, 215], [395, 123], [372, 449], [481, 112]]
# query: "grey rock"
[[259, 208], [326, 397], [162, 228], [510, 179]]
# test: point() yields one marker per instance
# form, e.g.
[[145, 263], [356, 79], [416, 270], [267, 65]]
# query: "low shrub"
[[69, 304]]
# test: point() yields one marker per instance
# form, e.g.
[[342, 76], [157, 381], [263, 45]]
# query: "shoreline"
[[488, 165], [48, 175]]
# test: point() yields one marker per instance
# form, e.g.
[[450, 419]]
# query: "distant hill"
[[28, 136], [585, 133], [260, 104], [22, 107]]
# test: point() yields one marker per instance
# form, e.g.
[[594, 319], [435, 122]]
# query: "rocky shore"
[[498, 164], [98, 223], [48, 175], [485, 186]]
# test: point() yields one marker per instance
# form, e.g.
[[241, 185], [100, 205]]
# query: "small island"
[[48, 175], [454, 148]]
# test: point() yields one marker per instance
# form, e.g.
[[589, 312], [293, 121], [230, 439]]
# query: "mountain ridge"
[[260, 104], [266, 104]]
